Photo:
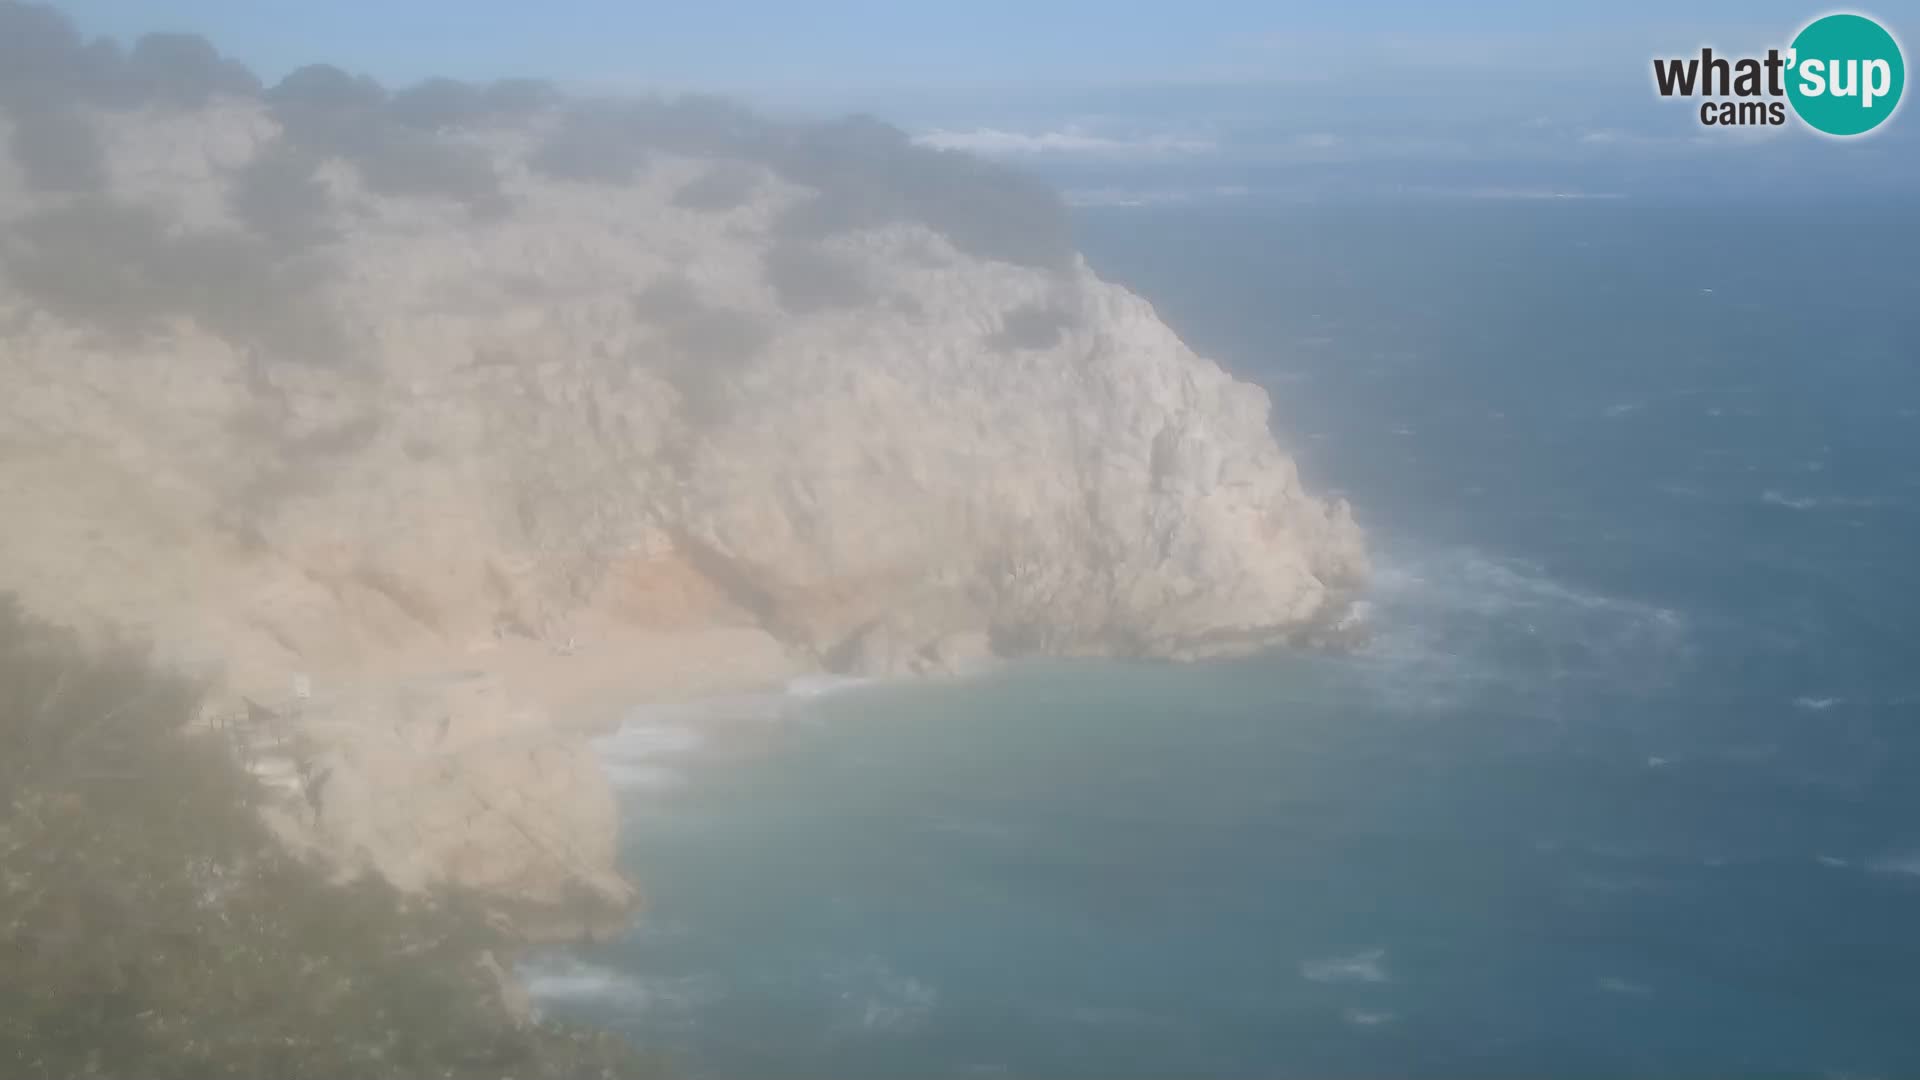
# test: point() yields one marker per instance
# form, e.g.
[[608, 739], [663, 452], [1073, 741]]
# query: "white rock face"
[[584, 448], [1110, 494]]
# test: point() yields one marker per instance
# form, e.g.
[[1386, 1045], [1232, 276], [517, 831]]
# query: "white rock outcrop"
[[582, 450]]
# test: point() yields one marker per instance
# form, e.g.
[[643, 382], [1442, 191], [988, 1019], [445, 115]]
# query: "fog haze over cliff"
[[461, 414]]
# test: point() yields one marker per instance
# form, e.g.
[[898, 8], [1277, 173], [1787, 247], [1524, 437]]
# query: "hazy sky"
[[1520, 97], [823, 47]]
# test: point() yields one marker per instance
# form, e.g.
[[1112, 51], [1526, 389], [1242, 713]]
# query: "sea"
[[1625, 783]]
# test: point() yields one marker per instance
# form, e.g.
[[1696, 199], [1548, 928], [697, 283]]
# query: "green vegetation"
[[151, 928], [868, 173]]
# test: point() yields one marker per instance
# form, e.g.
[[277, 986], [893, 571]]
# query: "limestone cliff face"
[[450, 469]]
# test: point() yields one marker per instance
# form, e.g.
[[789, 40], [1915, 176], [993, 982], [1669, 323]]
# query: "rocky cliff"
[[425, 431]]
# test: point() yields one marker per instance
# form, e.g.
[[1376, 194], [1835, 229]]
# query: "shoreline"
[[718, 724]]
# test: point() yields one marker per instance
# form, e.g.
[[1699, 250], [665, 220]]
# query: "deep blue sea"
[[1626, 784]]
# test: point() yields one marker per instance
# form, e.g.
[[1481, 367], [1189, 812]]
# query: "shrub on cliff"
[[867, 172], [184, 71], [703, 125], [447, 104], [510, 98], [116, 267], [94, 261], [57, 149], [1030, 326], [44, 60], [808, 278], [39, 50], [322, 90], [726, 186], [871, 173], [436, 104], [149, 926], [704, 347], [395, 161], [328, 112], [592, 145], [278, 196]]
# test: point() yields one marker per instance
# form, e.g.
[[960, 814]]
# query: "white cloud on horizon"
[[1705, 137], [997, 142], [1535, 193], [1552, 45], [1619, 137], [1132, 198]]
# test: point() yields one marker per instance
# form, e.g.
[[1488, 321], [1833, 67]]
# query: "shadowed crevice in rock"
[[1031, 326], [737, 585]]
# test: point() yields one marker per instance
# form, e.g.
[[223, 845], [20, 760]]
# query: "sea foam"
[[813, 686], [1366, 966], [560, 978]]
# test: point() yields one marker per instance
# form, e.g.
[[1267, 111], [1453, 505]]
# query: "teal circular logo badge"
[[1845, 74]]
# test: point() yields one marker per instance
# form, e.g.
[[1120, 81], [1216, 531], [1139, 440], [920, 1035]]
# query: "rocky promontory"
[[432, 427]]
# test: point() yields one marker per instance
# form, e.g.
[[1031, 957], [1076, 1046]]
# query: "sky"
[[834, 46], [1128, 99]]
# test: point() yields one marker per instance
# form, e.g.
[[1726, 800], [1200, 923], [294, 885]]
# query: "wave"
[[1775, 497], [651, 739], [1903, 863], [566, 979], [637, 754], [1479, 583], [644, 778], [1817, 704], [813, 686], [564, 982], [1366, 966], [1459, 624], [644, 754], [870, 997]]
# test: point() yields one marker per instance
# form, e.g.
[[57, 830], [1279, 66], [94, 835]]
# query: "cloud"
[[1067, 141], [1618, 137], [1537, 193], [1134, 198], [1556, 45], [1704, 137]]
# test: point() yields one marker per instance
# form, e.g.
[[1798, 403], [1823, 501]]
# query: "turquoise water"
[[1623, 785]]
